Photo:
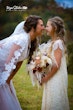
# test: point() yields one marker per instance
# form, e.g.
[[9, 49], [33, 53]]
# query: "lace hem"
[[10, 66]]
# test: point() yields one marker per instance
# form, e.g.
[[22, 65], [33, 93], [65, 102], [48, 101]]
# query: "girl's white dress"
[[8, 99], [55, 90]]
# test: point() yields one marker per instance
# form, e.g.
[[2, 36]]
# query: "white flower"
[[31, 66], [38, 53]]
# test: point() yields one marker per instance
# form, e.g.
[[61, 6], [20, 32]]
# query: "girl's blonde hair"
[[58, 25]]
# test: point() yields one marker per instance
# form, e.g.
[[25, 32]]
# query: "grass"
[[30, 97], [70, 90]]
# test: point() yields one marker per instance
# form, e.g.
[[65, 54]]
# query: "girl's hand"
[[44, 78]]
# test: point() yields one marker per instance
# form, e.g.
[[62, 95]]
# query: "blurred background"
[[10, 16]]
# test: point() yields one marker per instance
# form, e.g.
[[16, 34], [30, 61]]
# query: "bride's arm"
[[14, 71], [18, 65], [11, 52], [58, 56]]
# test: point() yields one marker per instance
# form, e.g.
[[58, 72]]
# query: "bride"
[[55, 83], [13, 51]]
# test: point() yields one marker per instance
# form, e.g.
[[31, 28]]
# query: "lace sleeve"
[[14, 59], [59, 44]]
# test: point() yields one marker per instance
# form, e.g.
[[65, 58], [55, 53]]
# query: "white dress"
[[8, 99], [55, 90]]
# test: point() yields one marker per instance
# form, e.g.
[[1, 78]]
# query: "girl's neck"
[[54, 38]]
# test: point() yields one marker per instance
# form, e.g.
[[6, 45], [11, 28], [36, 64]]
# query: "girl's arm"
[[58, 56]]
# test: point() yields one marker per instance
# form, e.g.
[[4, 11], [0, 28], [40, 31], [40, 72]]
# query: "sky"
[[65, 3]]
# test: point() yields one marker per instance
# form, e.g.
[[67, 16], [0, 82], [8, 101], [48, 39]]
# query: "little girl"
[[55, 95]]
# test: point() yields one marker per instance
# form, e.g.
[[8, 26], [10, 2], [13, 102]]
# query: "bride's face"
[[39, 28], [49, 29]]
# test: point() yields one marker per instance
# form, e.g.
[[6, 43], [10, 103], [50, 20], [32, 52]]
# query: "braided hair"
[[58, 24], [59, 27]]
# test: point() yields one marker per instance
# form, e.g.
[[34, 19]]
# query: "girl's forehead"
[[49, 22]]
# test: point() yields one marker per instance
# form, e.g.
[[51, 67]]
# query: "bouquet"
[[40, 64]]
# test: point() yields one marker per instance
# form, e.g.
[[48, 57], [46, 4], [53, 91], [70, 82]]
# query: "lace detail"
[[59, 44], [20, 40], [10, 66]]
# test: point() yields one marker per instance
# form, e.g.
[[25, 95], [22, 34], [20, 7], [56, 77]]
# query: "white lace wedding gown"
[[55, 90], [8, 99]]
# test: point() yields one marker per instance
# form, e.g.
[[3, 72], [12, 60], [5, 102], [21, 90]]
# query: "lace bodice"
[[23, 40]]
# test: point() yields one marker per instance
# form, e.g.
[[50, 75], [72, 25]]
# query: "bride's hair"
[[31, 22], [58, 25]]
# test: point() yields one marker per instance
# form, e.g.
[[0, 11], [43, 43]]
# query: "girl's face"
[[50, 29]]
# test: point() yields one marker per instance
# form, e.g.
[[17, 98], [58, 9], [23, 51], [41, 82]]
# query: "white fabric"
[[8, 99], [55, 90], [19, 28], [22, 40], [59, 44]]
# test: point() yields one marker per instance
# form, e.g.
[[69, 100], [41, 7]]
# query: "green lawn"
[[30, 97]]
